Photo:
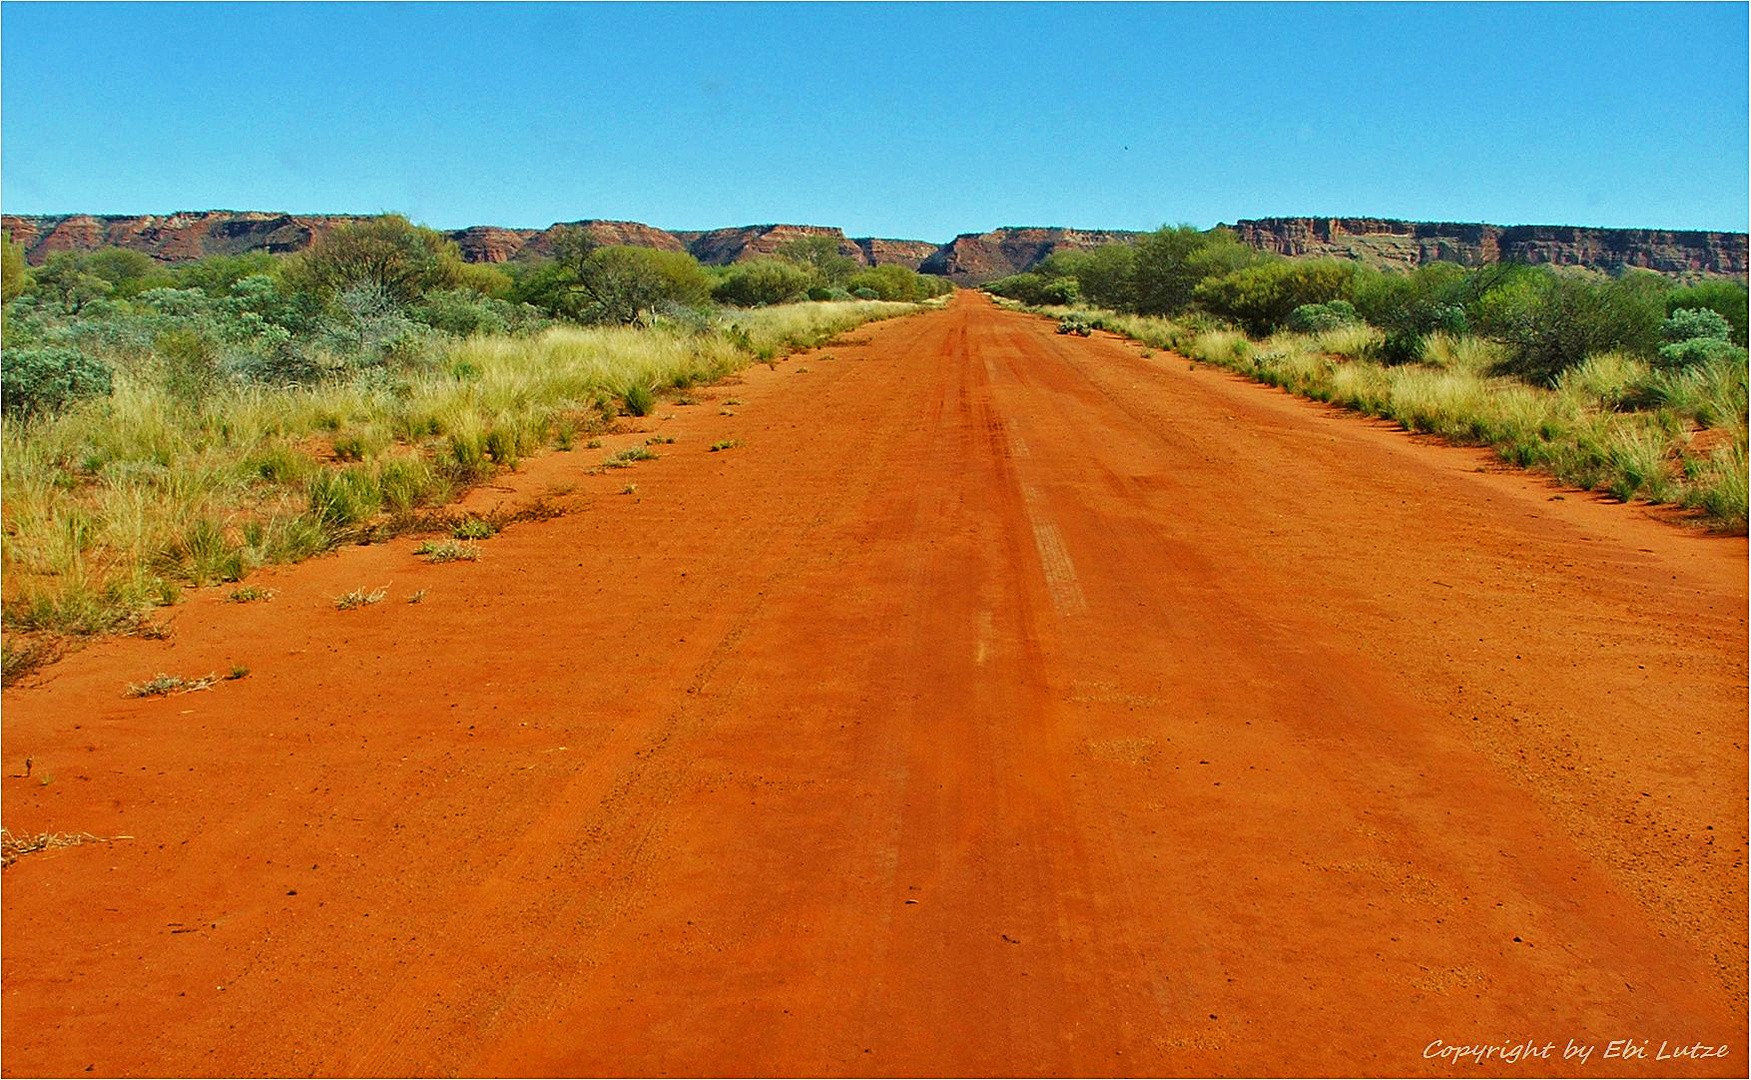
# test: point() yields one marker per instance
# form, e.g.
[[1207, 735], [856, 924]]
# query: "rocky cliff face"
[[1389, 243], [172, 238], [720, 247], [975, 258], [971, 258], [908, 253], [181, 237], [491, 244]]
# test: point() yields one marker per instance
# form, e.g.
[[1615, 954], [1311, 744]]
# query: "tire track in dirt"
[[621, 802]]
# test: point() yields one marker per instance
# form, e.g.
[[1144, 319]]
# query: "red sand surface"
[[1006, 703]]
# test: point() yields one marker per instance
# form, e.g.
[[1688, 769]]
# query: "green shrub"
[[41, 381], [1728, 299], [503, 445], [14, 275], [1698, 351], [760, 282], [1688, 323], [202, 554], [1170, 263], [407, 482], [1400, 347], [623, 459], [462, 312], [638, 399], [1036, 289], [1318, 318], [1552, 322], [441, 551], [821, 255], [345, 498], [899, 284], [1262, 297], [1105, 276]]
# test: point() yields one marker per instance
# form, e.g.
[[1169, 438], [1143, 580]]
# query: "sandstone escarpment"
[[720, 247], [606, 233], [172, 237], [971, 258], [975, 258], [491, 244], [883, 252], [1389, 243]]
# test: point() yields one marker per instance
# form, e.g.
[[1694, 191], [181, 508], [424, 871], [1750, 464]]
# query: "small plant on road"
[[359, 598], [448, 551], [624, 458], [638, 400], [727, 444], [249, 593], [474, 529], [11, 847], [162, 685]]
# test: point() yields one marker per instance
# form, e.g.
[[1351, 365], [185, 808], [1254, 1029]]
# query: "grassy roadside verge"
[[1611, 423], [114, 506]]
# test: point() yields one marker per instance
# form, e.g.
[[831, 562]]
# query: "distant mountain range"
[[971, 258]]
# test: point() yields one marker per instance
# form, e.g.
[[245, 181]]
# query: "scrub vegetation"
[[169, 426], [1632, 384]]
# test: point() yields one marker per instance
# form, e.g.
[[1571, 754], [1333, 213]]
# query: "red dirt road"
[[1006, 703]]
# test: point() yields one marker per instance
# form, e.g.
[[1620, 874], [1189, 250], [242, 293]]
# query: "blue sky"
[[909, 120]]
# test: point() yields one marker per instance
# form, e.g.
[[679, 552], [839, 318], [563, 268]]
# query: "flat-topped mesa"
[[182, 237], [490, 243], [975, 258], [539, 243], [176, 237], [968, 259], [878, 251], [1385, 242], [721, 247]]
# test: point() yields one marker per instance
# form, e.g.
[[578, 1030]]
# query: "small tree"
[[13, 275], [820, 254], [64, 280], [1171, 262], [572, 247], [625, 284], [1105, 275], [402, 259], [1262, 297], [128, 272]]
